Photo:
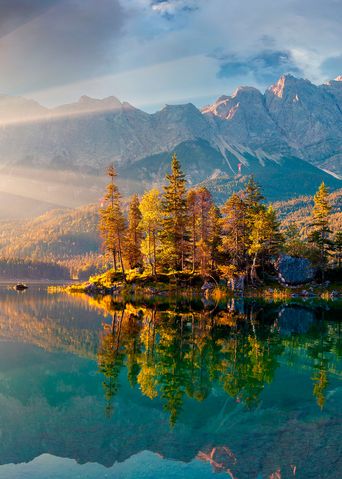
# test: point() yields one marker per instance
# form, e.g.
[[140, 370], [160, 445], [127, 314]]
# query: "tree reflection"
[[174, 355]]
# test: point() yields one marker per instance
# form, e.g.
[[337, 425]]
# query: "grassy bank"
[[189, 284]]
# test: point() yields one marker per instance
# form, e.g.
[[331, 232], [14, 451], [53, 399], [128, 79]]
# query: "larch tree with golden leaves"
[[112, 223], [320, 230], [134, 234], [150, 225]]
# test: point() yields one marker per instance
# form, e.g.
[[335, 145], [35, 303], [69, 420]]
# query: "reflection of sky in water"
[[53, 406], [147, 463]]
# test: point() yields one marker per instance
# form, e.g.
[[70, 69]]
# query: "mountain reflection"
[[251, 389]]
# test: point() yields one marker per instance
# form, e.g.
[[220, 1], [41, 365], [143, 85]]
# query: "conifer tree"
[[265, 238], [191, 202], [134, 236], [214, 234], [235, 232], [338, 248], [253, 197], [175, 218], [112, 222], [320, 232]]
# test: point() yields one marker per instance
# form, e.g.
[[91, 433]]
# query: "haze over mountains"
[[286, 137]]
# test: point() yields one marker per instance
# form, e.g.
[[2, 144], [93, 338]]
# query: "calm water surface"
[[100, 390]]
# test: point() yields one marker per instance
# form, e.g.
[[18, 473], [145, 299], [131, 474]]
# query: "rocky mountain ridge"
[[292, 118], [286, 137]]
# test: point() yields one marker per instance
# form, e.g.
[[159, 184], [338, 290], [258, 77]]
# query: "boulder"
[[295, 320], [208, 286], [292, 270]]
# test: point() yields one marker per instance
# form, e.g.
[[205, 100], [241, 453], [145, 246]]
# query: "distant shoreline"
[[13, 281]]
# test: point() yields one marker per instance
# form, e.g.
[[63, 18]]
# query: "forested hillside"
[[67, 237], [59, 233], [297, 211]]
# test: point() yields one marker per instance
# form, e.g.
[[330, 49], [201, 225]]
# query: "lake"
[[96, 389]]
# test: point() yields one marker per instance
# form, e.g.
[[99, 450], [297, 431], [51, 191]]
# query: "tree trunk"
[[121, 260], [114, 260], [154, 269], [253, 274]]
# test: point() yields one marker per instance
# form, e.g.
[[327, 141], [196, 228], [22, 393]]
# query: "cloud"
[[266, 65], [171, 7], [62, 45], [72, 39], [252, 41], [15, 13]]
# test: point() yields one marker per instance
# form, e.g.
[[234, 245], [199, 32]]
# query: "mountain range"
[[289, 137]]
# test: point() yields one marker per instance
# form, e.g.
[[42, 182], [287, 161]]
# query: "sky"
[[156, 52]]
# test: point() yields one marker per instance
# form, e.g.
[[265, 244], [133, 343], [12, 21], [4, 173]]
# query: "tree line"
[[180, 229], [15, 268]]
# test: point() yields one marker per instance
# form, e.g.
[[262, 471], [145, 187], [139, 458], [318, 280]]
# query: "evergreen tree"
[[214, 234], [134, 235], [338, 248], [175, 218], [265, 238], [320, 230], [235, 232], [191, 201], [253, 199], [112, 223]]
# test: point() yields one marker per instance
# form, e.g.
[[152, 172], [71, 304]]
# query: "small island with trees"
[[179, 239]]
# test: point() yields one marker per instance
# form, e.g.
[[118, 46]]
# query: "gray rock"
[[293, 117], [295, 320], [292, 270], [207, 285]]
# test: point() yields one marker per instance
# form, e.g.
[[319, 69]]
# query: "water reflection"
[[249, 390], [172, 354]]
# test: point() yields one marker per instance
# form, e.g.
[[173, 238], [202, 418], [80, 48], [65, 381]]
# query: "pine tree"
[[191, 201], [175, 218], [112, 223], [253, 198], [150, 224], [320, 230], [214, 235], [338, 248], [265, 238], [134, 236], [235, 232]]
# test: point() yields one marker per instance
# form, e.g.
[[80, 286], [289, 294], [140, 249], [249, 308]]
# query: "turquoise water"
[[102, 390]]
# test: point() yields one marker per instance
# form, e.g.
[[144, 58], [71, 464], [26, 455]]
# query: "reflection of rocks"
[[236, 305], [237, 283], [221, 458], [292, 270], [297, 449], [207, 286], [294, 319]]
